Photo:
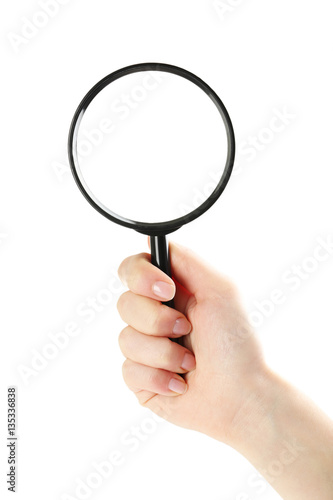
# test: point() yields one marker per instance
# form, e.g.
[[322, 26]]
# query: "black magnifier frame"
[[156, 230]]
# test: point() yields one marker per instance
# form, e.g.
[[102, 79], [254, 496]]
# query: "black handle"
[[160, 258]]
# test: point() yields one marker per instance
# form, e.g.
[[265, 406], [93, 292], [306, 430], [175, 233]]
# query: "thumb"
[[193, 273]]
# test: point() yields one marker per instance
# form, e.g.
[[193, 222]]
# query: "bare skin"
[[223, 386]]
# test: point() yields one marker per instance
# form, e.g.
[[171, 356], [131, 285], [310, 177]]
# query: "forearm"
[[287, 439]]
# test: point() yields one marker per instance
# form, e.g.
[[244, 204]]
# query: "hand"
[[206, 379], [224, 389]]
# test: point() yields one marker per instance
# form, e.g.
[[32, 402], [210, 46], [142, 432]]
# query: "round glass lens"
[[151, 147]]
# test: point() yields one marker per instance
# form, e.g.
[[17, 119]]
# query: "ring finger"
[[157, 352]]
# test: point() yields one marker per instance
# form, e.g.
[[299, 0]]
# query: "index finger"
[[142, 278]]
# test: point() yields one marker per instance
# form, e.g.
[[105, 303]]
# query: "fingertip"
[[182, 327], [177, 385], [163, 290]]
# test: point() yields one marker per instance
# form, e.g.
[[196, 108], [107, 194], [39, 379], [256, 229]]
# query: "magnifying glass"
[[151, 147]]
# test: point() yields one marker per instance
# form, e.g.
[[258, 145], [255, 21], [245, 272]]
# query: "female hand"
[[207, 379]]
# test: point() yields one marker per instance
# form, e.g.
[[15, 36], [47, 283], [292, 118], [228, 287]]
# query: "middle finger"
[[151, 317]]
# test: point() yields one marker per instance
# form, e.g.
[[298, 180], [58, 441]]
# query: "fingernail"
[[188, 362], [181, 327], [177, 385], [164, 290]]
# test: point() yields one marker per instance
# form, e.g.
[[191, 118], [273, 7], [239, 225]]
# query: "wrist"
[[286, 438], [256, 413]]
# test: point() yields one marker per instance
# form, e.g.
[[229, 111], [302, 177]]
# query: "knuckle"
[[152, 319], [119, 302], [166, 355], [122, 268], [126, 369], [155, 322], [122, 337], [130, 271], [122, 301], [132, 281], [158, 317], [154, 378]]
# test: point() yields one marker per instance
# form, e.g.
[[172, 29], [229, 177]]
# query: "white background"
[[56, 251]]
